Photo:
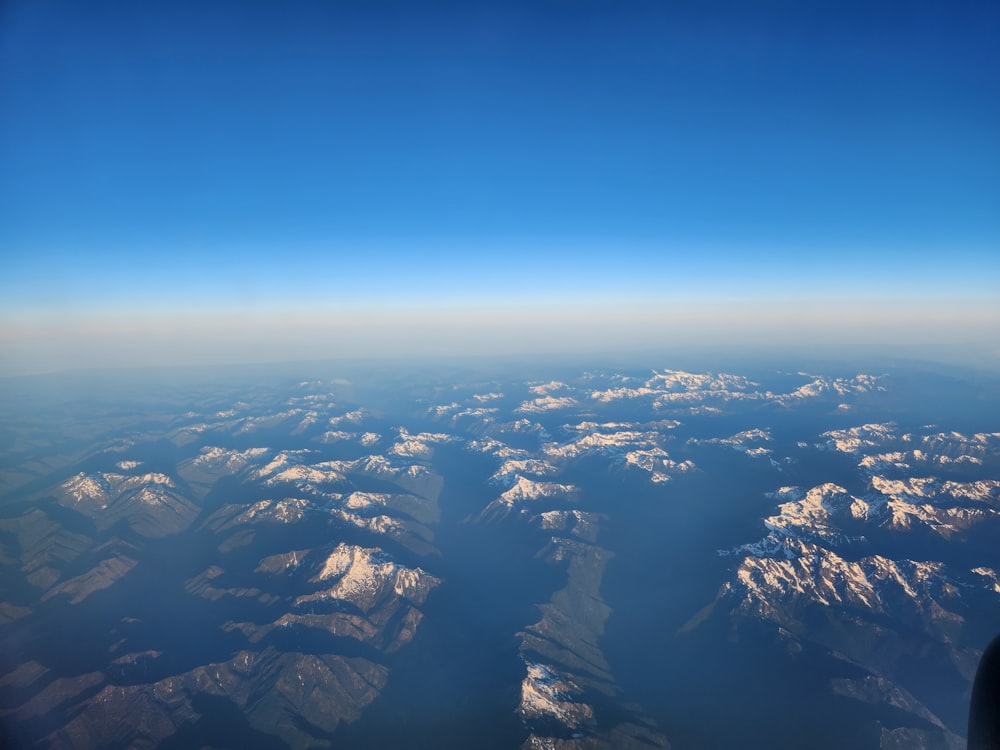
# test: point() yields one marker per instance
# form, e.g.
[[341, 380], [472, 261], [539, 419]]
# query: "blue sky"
[[339, 163]]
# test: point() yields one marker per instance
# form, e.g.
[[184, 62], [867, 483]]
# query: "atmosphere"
[[499, 374], [187, 183]]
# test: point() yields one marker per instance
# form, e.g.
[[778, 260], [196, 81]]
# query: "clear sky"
[[206, 181]]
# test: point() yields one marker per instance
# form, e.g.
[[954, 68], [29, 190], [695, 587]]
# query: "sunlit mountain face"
[[491, 555]]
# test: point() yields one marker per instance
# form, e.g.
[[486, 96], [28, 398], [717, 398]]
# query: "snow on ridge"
[[629, 447], [374, 464], [483, 397], [377, 524], [742, 442], [286, 510], [581, 524], [419, 445], [934, 489], [796, 569], [675, 399], [755, 434], [546, 403], [891, 459], [458, 413], [326, 398], [363, 574], [813, 514], [303, 473], [701, 409], [900, 505], [674, 387], [600, 442], [915, 487], [336, 436], [288, 466], [993, 579], [154, 478], [789, 493], [251, 423], [856, 439], [547, 694], [617, 394], [598, 426], [527, 489], [102, 487], [229, 459], [545, 389], [359, 500], [522, 426], [670, 386], [946, 460], [283, 460], [796, 559], [943, 449], [982, 490], [821, 385], [357, 416], [310, 418], [443, 410], [675, 380], [493, 447], [151, 497], [280, 461], [658, 463], [904, 461], [979, 445], [513, 468], [88, 487], [933, 504]]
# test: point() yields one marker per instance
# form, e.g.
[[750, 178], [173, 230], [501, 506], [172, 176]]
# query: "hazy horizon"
[[216, 183]]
